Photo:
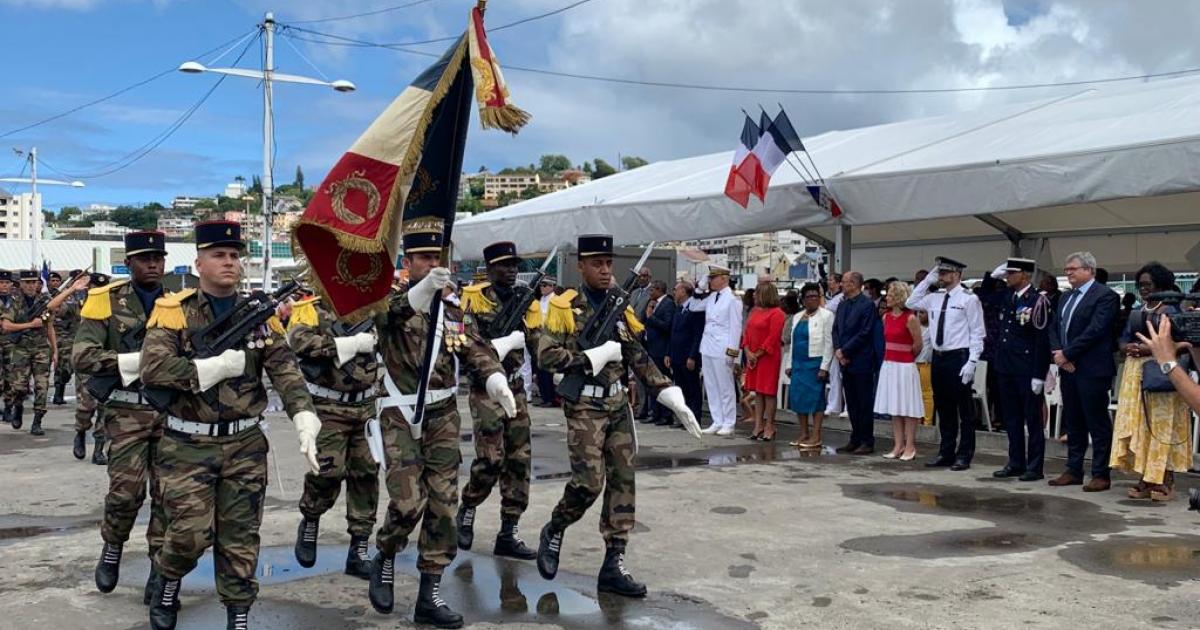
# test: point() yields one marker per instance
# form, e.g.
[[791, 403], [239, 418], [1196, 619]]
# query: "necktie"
[[941, 330], [1068, 309]]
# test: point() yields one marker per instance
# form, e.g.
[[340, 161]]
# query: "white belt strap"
[[211, 429], [336, 396], [407, 403], [596, 391], [126, 396]]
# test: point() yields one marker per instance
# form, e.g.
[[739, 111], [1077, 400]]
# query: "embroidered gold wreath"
[[487, 80], [361, 282], [423, 184], [355, 181]]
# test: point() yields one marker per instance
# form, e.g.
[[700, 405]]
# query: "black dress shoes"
[[1008, 471], [938, 462], [960, 465], [1031, 475]]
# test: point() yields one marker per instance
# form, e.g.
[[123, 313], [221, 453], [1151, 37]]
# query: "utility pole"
[[268, 179]]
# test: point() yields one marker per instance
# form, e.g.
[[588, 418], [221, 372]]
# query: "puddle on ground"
[[1022, 522], [1163, 562], [17, 527], [482, 588], [719, 456]]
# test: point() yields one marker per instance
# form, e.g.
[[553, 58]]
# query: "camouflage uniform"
[[30, 356], [600, 432], [343, 453], [85, 404], [502, 448], [66, 322], [213, 487], [422, 474], [134, 427], [6, 344]]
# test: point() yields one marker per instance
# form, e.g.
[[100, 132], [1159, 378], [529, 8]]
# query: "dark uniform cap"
[[54, 275], [5, 275], [949, 264], [423, 235], [219, 234], [28, 274], [149, 242], [74, 273], [595, 245], [98, 279], [1021, 264], [500, 252]]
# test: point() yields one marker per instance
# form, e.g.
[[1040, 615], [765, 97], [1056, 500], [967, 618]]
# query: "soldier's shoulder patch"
[[475, 299], [304, 313], [168, 311], [635, 326], [98, 306], [561, 317], [533, 316]]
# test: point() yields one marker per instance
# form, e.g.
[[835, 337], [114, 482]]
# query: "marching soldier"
[[107, 348], [33, 350], [600, 431], [422, 461], [341, 371], [502, 449], [212, 458], [6, 301], [66, 321], [86, 407]]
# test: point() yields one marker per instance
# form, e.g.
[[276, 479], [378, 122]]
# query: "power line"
[[122, 90], [366, 14], [359, 43]]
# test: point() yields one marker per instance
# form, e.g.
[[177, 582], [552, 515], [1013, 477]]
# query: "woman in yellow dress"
[[1152, 435]]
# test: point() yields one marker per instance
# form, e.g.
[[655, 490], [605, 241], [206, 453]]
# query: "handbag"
[[1153, 379]]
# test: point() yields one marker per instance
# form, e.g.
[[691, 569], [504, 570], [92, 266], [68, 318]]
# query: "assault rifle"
[[231, 329], [512, 314], [33, 312], [312, 368], [600, 328], [101, 386]]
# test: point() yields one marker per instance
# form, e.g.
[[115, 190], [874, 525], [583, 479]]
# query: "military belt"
[[127, 396], [211, 429], [596, 391], [336, 396]]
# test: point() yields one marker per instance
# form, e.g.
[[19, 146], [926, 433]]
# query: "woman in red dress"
[[762, 345]]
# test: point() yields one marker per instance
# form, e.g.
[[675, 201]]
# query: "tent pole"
[[841, 248]]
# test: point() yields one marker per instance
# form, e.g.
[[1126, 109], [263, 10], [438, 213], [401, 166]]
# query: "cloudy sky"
[[63, 53]]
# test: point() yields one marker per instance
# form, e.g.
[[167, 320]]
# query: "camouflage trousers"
[[30, 362], [63, 369], [85, 407], [213, 490], [502, 453], [343, 455], [601, 447], [135, 434], [5, 371], [422, 484]]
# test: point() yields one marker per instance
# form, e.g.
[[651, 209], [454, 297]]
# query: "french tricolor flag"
[[759, 155], [746, 168]]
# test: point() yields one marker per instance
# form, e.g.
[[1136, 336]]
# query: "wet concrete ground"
[[731, 534]]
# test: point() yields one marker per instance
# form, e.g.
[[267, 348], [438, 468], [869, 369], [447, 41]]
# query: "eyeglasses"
[[1072, 269]]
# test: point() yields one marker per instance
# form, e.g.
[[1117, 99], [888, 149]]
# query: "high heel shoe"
[[908, 458], [756, 436], [890, 456]]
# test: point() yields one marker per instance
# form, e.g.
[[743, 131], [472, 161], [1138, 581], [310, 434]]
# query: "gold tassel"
[[533, 316], [98, 306], [168, 311], [561, 318], [507, 118], [275, 325], [304, 313], [475, 302], [636, 327]]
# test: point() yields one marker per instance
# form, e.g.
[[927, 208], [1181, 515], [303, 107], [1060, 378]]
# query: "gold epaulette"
[[168, 311], [475, 302], [533, 316], [636, 327], [98, 306], [304, 313], [561, 317], [275, 326]]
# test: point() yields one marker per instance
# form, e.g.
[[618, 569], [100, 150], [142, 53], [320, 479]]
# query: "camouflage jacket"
[[17, 311], [559, 352], [482, 304], [110, 312], [166, 363], [66, 320], [311, 333], [6, 302], [402, 332]]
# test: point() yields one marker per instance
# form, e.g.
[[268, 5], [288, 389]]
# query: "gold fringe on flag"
[[491, 92]]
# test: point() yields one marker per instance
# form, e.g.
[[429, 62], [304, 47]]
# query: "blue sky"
[[61, 53]]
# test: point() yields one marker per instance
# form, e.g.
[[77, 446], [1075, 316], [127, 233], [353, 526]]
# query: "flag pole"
[[808, 153], [788, 158]]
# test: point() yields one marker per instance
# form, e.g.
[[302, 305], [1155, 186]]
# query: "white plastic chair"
[[980, 393], [1053, 397]]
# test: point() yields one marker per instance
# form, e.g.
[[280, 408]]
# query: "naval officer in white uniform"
[[719, 349]]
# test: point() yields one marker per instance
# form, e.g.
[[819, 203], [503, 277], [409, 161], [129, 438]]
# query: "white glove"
[[307, 427], [497, 390], [702, 285], [128, 364], [420, 296], [967, 372], [505, 345], [672, 398], [1038, 386], [1000, 272], [348, 347], [213, 370], [609, 352]]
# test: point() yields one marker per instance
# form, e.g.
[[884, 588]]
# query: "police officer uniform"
[[957, 330]]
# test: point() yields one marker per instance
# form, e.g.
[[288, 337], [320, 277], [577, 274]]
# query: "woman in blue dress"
[[812, 352]]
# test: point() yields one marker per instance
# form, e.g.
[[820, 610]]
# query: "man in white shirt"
[[835, 402], [719, 348], [957, 330]]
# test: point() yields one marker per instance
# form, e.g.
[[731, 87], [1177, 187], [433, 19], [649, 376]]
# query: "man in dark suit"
[[858, 348], [683, 358], [1020, 363], [1081, 345], [659, 312]]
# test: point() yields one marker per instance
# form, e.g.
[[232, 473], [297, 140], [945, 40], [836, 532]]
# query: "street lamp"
[[35, 236], [268, 76]]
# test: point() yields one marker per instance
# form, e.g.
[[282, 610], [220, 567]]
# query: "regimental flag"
[[744, 170], [777, 141], [407, 163], [45, 275], [821, 197]]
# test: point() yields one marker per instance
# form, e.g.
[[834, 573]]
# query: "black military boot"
[[151, 583], [358, 563], [98, 456], [59, 390], [237, 618], [36, 427], [431, 608], [549, 546], [16, 416], [466, 527], [306, 542], [79, 449], [164, 607], [383, 577], [108, 570], [615, 579], [509, 545]]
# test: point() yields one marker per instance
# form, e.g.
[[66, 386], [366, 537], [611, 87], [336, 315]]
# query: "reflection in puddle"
[[16, 527], [719, 456], [1162, 562]]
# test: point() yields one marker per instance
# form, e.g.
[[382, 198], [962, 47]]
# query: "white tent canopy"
[[1115, 170]]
